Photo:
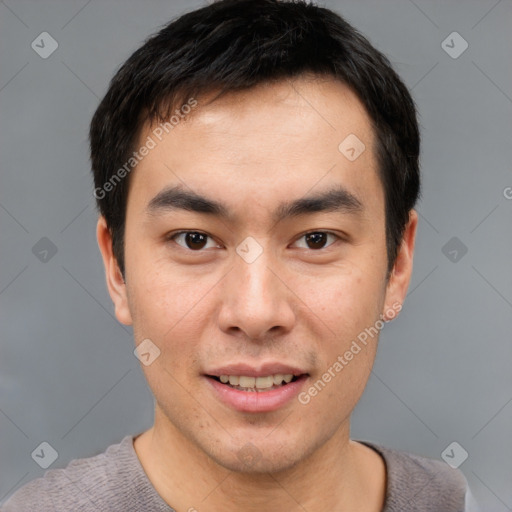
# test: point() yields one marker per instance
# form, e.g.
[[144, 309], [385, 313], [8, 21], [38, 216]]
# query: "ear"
[[398, 282], [115, 282]]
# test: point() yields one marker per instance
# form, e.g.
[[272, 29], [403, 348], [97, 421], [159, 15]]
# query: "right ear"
[[115, 282]]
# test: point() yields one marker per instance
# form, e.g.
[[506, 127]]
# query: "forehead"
[[273, 141]]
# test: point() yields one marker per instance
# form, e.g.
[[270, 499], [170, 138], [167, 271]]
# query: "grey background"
[[68, 375]]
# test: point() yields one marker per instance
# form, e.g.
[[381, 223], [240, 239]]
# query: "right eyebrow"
[[175, 198]]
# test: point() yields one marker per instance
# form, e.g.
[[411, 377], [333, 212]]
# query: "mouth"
[[262, 384], [256, 393]]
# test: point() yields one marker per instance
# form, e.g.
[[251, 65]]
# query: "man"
[[256, 170]]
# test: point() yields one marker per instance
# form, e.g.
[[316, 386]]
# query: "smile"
[[246, 383], [256, 394]]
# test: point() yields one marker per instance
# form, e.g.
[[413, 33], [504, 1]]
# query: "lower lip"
[[257, 401]]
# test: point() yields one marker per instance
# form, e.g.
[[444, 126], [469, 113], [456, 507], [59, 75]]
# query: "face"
[[255, 253]]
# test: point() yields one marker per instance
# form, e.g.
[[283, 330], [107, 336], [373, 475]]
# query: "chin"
[[260, 456]]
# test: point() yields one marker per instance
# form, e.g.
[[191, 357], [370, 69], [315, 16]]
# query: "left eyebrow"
[[336, 199]]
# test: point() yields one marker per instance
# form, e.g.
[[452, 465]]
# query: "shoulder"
[[421, 484], [113, 477]]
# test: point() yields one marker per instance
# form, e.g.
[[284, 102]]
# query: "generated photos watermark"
[[151, 142], [355, 348]]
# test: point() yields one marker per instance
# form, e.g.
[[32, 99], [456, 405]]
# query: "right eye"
[[193, 240]]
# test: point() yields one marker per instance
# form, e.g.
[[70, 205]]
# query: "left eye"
[[317, 239], [193, 240]]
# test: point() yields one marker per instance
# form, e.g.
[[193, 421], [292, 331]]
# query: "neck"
[[340, 475]]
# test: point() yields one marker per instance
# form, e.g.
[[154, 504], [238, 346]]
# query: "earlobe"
[[115, 282], [400, 277]]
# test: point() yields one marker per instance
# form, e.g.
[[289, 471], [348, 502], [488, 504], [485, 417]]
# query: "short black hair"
[[233, 45]]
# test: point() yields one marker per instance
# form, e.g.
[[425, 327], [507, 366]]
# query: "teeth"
[[264, 382], [256, 382], [246, 382], [278, 378]]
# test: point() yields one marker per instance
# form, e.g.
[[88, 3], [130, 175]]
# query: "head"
[[256, 168]]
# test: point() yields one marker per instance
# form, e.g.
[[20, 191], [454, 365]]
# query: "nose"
[[256, 302]]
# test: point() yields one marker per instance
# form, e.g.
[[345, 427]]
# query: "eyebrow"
[[336, 199]]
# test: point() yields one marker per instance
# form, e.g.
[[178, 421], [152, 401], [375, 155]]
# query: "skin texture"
[[294, 304]]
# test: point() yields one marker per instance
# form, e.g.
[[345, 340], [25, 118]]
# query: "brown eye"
[[316, 240], [192, 240], [195, 240]]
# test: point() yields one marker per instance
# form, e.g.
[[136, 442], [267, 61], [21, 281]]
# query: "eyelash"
[[171, 238]]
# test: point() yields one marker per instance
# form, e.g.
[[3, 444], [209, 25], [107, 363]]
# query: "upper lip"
[[256, 371]]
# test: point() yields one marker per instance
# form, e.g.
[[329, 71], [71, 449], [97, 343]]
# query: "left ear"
[[398, 282]]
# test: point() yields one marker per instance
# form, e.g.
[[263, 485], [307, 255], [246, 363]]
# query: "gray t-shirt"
[[116, 481]]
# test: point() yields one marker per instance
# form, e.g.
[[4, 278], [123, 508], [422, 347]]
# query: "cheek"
[[169, 312], [349, 305], [166, 307], [348, 301]]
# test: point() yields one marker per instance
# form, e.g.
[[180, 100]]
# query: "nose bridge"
[[254, 281], [255, 300], [253, 257]]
